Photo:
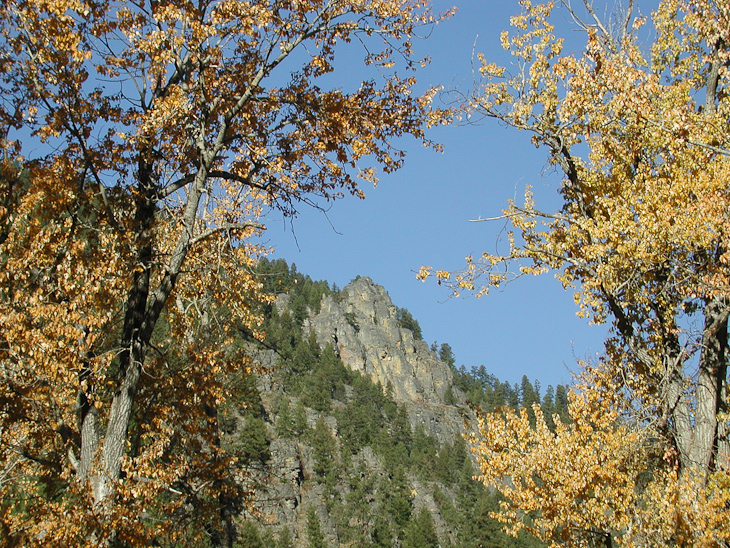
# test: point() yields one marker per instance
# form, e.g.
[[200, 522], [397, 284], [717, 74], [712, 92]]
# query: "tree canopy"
[[637, 122], [141, 142]]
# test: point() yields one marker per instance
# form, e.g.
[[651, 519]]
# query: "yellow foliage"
[[599, 478], [642, 137], [142, 143]]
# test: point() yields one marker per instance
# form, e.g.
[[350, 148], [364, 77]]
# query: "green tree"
[[548, 406], [446, 355], [528, 396], [250, 537], [323, 443], [396, 497], [420, 531], [317, 391], [285, 540], [285, 425], [449, 398], [407, 321], [561, 402], [315, 537], [301, 426], [424, 450], [252, 441]]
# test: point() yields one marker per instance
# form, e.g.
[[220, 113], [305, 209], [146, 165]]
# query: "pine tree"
[[420, 531], [301, 427], [285, 426], [249, 536], [446, 355], [315, 537], [253, 442], [285, 540], [548, 406], [324, 447]]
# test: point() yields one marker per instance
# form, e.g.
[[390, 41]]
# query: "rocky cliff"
[[362, 324], [363, 430]]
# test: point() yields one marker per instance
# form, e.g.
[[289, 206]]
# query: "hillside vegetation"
[[362, 473]]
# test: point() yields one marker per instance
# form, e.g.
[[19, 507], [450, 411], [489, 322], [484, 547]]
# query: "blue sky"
[[420, 215]]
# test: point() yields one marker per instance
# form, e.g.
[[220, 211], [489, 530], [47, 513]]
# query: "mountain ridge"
[[359, 427]]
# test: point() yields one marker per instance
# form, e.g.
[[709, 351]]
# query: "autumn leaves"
[[641, 136], [142, 141]]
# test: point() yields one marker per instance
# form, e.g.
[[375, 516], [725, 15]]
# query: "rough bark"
[[710, 382], [133, 343]]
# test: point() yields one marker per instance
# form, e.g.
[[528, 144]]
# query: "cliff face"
[[352, 437], [362, 324]]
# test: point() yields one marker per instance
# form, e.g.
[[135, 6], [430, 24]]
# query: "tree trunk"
[[710, 384], [133, 344], [142, 312]]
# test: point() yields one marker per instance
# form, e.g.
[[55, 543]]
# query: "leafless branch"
[[225, 227]]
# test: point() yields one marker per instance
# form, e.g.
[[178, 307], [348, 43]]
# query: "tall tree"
[[420, 531], [315, 537], [141, 140], [642, 138]]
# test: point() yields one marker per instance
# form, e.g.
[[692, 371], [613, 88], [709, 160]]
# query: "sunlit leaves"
[[142, 145], [640, 134], [597, 478]]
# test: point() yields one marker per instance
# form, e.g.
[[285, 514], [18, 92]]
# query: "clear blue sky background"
[[420, 215]]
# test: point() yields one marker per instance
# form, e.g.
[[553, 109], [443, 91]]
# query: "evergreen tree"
[[528, 395], [285, 426], [253, 442], [469, 488], [285, 540], [315, 537], [324, 447], [561, 403], [397, 498], [420, 531], [449, 398], [300, 419], [446, 355], [423, 453], [443, 465], [249, 537], [480, 530], [514, 396], [407, 321], [381, 535], [548, 406], [317, 392], [335, 372]]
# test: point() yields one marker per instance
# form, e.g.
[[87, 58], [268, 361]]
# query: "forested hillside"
[[338, 461], [161, 385]]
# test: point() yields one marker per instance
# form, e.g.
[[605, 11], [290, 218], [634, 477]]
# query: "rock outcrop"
[[361, 322], [362, 325]]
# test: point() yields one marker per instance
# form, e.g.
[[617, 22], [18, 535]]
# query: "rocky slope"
[[353, 475], [362, 324]]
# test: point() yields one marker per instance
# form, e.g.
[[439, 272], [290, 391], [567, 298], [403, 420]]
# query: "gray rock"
[[362, 325]]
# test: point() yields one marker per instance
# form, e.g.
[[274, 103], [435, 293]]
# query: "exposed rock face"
[[362, 325], [282, 497], [361, 322]]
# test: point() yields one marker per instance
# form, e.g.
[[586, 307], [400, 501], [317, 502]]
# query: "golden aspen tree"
[[141, 143], [638, 124]]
